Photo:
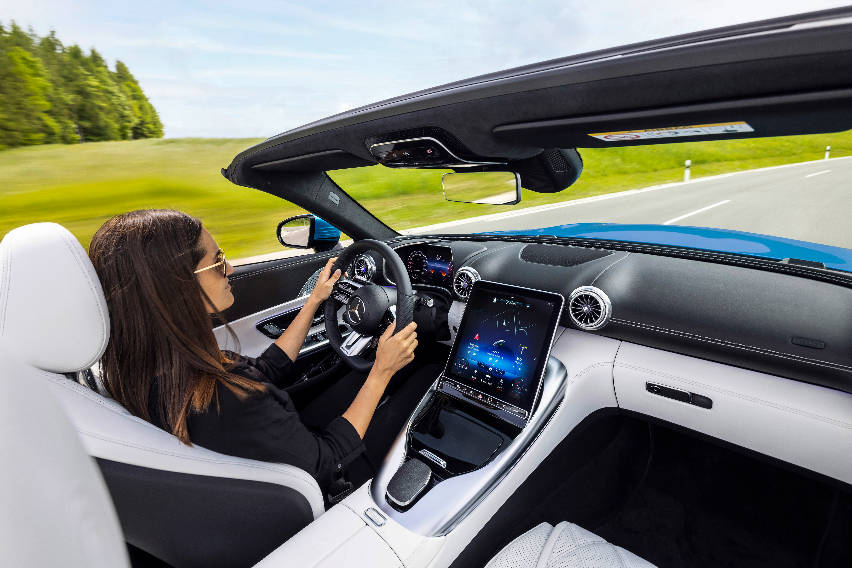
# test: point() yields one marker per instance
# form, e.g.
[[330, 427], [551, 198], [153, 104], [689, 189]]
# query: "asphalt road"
[[811, 201]]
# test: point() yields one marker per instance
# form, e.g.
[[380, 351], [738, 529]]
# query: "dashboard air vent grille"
[[589, 307], [559, 255], [463, 282]]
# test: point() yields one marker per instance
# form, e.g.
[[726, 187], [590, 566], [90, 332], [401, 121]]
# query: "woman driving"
[[164, 276]]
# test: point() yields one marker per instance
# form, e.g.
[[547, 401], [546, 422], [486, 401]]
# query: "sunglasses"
[[220, 261]]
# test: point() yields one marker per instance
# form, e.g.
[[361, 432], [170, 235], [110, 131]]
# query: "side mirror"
[[491, 188], [308, 231]]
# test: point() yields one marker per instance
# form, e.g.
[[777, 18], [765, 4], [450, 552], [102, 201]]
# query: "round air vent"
[[463, 282], [589, 307], [364, 267]]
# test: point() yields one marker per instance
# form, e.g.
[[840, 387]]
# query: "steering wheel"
[[366, 305]]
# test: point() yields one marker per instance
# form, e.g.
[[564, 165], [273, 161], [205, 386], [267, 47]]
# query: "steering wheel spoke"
[[344, 289], [355, 343], [366, 308]]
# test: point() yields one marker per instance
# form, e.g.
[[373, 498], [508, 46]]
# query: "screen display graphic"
[[503, 342]]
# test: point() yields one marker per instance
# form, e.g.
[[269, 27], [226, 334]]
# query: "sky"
[[257, 68]]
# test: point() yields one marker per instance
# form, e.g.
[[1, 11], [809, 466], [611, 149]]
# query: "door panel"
[[267, 296], [262, 285]]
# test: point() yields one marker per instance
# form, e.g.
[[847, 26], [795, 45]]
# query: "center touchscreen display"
[[502, 345]]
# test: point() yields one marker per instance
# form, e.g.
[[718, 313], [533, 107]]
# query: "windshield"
[[787, 197]]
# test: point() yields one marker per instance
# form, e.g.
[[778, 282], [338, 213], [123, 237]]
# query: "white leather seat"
[[564, 546], [53, 316], [56, 511]]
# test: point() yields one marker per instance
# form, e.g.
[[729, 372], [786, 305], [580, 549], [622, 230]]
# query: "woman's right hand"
[[395, 351]]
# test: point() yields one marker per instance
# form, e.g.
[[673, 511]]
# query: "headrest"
[[52, 309]]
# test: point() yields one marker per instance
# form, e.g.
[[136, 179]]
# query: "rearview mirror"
[[308, 231], [491, 188]]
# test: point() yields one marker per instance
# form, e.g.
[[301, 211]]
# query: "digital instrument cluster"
[[427, 264]]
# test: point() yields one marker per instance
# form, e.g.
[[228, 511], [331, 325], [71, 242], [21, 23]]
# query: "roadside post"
[[686, 166], [827, 152]]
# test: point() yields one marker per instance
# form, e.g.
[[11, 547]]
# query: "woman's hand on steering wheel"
[[325, 282], [395, 351]]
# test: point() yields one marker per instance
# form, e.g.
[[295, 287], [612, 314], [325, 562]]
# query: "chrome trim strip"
[[606, 307], [446, 504], [474, 275], [429, 455], [353, 345]]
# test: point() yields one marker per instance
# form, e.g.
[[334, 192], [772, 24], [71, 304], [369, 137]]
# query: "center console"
[[498, 390]]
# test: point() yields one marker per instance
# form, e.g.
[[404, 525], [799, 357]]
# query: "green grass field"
[[80, 186]]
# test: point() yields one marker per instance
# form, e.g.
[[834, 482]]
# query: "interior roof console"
[[494, 396]]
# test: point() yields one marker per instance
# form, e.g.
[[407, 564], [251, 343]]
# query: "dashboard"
[[427, 264], [782, 324]]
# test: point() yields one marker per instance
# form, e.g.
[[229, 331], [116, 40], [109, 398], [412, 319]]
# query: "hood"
[[718, 240]]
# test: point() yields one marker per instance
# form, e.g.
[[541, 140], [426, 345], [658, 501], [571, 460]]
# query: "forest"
[[51, 93]]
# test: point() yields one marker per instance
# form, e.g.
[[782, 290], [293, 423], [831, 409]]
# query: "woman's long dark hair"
[[162, 354]]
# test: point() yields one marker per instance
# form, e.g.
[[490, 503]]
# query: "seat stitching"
[[547, 549]]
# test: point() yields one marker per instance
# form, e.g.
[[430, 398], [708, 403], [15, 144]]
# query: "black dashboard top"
[[782, 324]]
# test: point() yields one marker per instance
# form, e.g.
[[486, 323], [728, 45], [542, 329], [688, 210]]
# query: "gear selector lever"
[[408, 482]]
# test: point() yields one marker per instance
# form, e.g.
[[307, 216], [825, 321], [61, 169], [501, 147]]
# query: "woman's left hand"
[[326, 281]]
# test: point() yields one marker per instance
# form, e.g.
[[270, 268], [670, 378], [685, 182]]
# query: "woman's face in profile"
[[214, 281]]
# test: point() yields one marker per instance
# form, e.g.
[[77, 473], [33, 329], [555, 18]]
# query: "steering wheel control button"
[[375, 516]]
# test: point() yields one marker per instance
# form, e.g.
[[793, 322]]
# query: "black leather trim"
[[199, 520], [265, 284], [733, 315], [743, 311]]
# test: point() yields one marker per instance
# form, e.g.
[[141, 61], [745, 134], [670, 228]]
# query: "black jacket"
[[266, 425]]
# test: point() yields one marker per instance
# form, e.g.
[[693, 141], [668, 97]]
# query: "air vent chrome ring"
[[589, 307], [463, 282]]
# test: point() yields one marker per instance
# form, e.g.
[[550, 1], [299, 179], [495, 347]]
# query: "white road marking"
[[817, 174], [696, 212], [541, 208], [582, 201]]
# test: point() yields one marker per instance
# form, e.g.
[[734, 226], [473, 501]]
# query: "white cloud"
[[233, 68]]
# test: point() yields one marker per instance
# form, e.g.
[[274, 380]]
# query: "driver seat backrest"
[[56, 509], [185, 505]]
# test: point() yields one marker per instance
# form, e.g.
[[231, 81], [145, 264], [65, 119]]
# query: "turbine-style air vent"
[[463, 282], [589, 307]]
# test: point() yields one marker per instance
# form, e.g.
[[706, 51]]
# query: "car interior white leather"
[[53, 315], [52, 308], [348, 541], [56, 510], [806, 425], [564, 546]]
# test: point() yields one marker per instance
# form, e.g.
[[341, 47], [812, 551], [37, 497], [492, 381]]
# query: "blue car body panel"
[[719, 240]]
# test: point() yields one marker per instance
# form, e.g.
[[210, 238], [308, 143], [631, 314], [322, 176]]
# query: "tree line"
[[51, 93]]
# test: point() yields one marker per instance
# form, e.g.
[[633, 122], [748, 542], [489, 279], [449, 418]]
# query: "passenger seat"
[[564, 546]]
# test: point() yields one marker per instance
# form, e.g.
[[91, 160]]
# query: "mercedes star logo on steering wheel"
[[356, 310]]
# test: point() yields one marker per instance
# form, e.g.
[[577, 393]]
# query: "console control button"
[[375, 516]]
